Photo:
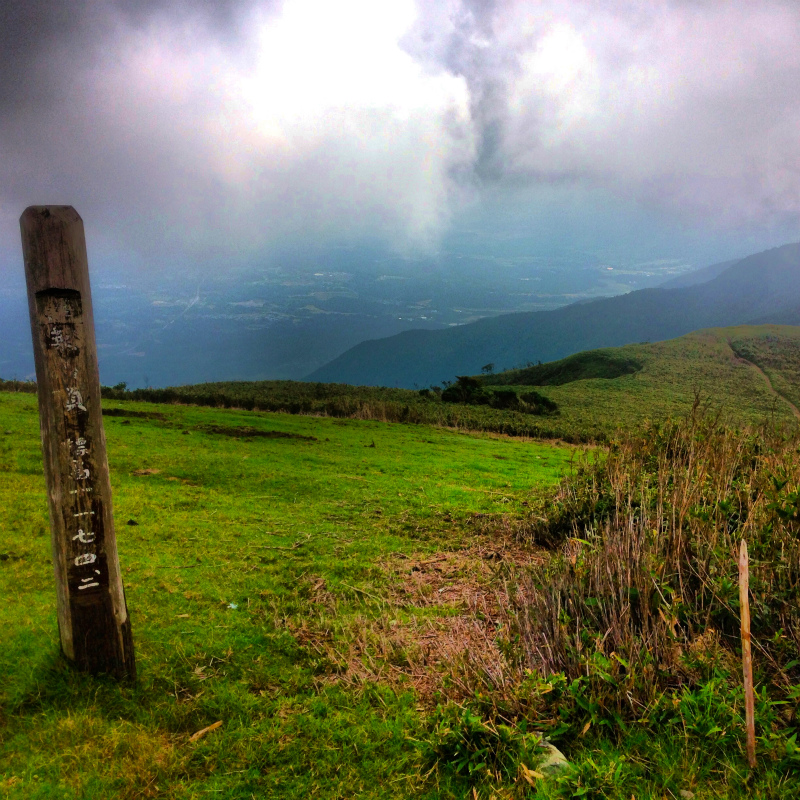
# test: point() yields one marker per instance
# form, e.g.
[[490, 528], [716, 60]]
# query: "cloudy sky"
[[208, 134]]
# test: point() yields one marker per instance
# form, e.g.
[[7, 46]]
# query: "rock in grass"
[[554, 761]]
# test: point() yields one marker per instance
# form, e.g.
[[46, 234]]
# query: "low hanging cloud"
[[217, 130], [219, 135], [689, 106]]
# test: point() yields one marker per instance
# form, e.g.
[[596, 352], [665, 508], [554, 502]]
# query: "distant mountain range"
[[286, 319], [759, 289]]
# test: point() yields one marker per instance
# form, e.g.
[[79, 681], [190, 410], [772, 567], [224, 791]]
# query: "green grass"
[[296, 588], [233, 538], [672, 373], [342, 400], [599, 392]]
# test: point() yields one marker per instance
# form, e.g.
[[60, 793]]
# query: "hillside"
[[260, 554], [749, 373], [319, 603], [698, 276], [746, 372], [760, 288]]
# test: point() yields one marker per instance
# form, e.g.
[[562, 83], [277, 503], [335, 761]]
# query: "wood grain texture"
[[92, 614], [747, 653]]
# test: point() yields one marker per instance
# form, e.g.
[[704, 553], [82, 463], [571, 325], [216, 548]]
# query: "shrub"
[[536, 403], [643, 596], [505, 399], [467, 745], [466, 390]]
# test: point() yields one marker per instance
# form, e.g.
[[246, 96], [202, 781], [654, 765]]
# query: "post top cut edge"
[[54, 249], [65, 213]]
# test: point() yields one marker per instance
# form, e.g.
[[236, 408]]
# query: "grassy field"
[[269, 579], [749, 373], [337, 607], [726, 365]]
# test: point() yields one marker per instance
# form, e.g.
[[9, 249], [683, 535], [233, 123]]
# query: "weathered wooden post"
[[92, 615], [747, 655]]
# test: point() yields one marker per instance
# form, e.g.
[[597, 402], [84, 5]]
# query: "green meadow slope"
[[280, 572], [335, 607], [748, 373]]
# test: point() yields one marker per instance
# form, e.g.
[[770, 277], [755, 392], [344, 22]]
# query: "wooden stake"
[[92, 616], [747, 656]]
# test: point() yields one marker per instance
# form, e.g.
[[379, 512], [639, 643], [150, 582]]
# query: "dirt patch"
[[461, 578], [121, 412], [246, 432], [452, 653], [148, 471], [447, 656]]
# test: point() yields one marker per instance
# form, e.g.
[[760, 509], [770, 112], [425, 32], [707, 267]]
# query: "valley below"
[[284, 322]]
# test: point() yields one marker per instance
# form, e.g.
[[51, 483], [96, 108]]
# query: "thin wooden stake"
[[92, 616], [747, 656]]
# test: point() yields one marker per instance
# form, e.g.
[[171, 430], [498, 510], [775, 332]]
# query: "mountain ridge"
[[697, 276], [760, 288]]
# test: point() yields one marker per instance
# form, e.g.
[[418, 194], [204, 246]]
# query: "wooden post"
[[92, 615], [747, 656]]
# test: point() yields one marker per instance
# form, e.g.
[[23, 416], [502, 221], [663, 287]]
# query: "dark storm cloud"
[[58, 141], [44, 44], [214, 129], [460, 37], [685, 105]]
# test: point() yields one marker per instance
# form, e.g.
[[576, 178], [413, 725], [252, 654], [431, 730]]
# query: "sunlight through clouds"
[[319, 124], [230, 127]]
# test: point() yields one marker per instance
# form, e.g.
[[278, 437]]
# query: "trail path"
[[792, 406]]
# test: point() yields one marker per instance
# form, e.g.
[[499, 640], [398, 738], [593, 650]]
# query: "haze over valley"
[[286, 321]]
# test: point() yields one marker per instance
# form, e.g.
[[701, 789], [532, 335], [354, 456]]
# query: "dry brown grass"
[[645, 582], [441, 626], [459, 578]]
